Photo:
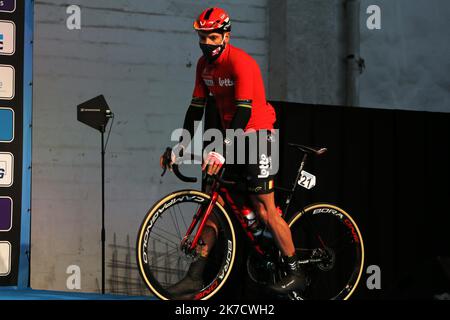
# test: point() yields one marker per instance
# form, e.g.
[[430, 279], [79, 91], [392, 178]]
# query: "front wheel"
[[330, 249], [162, 262]]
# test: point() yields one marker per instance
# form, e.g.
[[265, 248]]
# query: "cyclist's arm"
[[242, 114], [194, 113], [196, 108], [243, 86]]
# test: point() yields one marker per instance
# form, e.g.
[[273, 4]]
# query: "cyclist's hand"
[[163, 162], [213, 162], [170, 156]]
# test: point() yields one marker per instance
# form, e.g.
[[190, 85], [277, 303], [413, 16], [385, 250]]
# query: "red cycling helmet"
[[213, 19]]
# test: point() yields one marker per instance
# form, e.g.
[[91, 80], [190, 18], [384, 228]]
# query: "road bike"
[[327, 239]]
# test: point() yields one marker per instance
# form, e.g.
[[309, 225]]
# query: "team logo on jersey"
[[209, 82], [226, 82], [207, 76]]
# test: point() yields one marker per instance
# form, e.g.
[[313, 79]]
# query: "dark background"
[[390, 170]]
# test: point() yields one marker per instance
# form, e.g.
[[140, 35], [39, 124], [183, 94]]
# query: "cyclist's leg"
[[260, 187], [208, 237], [260, 184], [264, 205], [193, 281]]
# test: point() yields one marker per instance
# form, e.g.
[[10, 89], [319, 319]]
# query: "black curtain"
[[390, 170]]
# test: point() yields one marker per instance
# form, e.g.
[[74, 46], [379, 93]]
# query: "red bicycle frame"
[[203, 215]]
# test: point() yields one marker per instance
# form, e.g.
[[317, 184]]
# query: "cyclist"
[[234, 79]]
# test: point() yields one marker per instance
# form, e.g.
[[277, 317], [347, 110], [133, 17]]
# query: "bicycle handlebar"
[[181, 176], [175, 168], [167, 159]]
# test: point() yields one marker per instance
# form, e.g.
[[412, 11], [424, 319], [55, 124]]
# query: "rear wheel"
[[331, 250], [161, 259]]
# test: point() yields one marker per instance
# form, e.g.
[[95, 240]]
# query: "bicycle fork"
[[201, 216]]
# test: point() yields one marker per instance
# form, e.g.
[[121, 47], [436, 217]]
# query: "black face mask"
[[212, 51]]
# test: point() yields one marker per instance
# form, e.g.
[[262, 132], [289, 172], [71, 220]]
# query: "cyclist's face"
[[214, 38]]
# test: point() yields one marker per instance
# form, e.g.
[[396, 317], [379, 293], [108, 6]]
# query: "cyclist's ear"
[[227, 37]]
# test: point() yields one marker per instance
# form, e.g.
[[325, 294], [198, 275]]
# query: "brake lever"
[[166, 159]]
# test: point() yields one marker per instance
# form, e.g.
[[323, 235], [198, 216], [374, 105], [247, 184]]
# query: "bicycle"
[[327, 240]]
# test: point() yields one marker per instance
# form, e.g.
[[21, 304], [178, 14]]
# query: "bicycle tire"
[[149, 270], [315, 225]]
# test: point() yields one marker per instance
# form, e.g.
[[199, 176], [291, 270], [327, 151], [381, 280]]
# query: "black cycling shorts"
[[260, 165]]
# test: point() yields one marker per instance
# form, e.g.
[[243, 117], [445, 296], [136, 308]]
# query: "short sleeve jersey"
[[234, 76]]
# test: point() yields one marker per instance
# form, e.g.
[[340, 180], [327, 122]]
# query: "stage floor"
[[30, 294]]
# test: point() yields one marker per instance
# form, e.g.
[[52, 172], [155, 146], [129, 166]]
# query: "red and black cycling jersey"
[[235, 80]]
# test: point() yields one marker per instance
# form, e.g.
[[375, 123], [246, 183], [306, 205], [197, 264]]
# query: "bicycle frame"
[[205, 216], [202, 216], [317, 252], [291, 191]]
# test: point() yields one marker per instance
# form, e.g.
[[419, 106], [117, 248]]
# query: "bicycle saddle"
[[309, 150]]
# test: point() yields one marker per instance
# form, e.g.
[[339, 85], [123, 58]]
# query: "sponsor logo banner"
[[7, 37], [7, 5]]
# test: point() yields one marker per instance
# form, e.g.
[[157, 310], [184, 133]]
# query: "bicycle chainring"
[[261, 270]]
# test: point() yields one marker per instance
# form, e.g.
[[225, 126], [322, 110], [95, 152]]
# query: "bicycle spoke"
[[166, 274], [175, 224], [165, 231], [174, 243], [170, 253], [176, 220], [158, 240], [182, 217]]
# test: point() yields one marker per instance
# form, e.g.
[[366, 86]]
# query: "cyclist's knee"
[[261, 212], [265, 207]]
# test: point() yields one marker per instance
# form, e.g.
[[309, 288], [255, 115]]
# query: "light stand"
[[96, 114], [103, 209]]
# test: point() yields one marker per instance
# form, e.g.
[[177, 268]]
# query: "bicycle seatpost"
[[294, 186]]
